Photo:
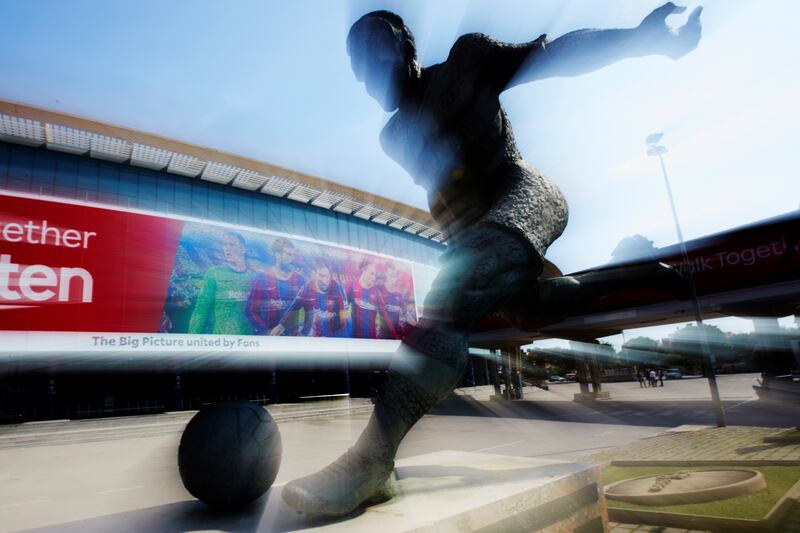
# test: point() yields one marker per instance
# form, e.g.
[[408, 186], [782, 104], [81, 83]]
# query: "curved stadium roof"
[[33, 126]]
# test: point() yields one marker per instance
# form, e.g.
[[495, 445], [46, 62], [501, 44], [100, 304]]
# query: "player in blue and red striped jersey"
[[397, 315], [323, 302], [365, 301], [271, 303]]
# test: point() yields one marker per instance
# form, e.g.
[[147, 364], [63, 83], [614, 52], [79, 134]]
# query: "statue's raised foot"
[[354, 479]]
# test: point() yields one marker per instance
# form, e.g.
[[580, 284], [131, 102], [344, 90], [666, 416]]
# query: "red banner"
[[80, 268], [67, 267]]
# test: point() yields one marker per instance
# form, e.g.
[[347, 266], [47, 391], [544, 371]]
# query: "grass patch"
[[751, 506]]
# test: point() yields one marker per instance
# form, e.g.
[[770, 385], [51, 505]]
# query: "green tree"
[[642, 351], [556, 360], [686, 346]]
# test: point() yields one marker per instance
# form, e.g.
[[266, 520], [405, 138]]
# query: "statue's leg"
[[552, 300], [651, 274], [480, 273]]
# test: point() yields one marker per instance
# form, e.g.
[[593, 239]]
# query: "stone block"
[[451, 491]]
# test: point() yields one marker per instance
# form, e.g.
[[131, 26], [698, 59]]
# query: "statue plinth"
[[591, 396], [462, 491]]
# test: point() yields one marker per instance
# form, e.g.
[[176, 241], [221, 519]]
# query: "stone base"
[[592, 396], [504, 398], [453, 491]]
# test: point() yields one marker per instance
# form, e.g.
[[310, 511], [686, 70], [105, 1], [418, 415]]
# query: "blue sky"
[[271, 80]]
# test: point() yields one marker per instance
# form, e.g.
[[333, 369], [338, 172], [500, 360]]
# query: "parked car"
[[673, 373], [572, 376], [556, 379]]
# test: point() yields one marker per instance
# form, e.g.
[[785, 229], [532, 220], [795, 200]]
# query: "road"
[[121, 480]]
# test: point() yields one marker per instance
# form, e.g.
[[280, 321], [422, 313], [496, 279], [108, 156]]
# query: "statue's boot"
[[426, 368], [552, 300], [650, 274], [480, 272]]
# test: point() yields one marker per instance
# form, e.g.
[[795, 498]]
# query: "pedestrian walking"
[[661, 377], [640, 377], [652, 378]]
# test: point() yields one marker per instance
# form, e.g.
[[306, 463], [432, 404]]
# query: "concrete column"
[[52, 399], [273, 387], [518, 376], [347, 385], [588, 369], [178, 394], [583, 368], [594, 368], [507, 376], [494, 373], [472, 371]]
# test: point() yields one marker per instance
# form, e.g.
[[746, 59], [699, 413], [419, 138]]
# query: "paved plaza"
[[734, 443], [121, 474], [731, 387]]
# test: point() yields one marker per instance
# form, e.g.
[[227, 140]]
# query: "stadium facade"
[[142, 274]]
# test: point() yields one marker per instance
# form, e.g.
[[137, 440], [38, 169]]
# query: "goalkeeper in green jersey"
[[220, 306]]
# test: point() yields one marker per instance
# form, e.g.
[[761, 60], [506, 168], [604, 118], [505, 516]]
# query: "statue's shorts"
[[487, 268]]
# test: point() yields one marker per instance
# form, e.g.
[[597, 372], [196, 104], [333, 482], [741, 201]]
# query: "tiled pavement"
[[732, 443]]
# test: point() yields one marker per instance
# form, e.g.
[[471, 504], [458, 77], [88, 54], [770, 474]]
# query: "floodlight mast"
[[656, 150]]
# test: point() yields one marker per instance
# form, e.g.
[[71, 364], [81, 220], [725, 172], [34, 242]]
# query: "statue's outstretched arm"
[[583, 51]]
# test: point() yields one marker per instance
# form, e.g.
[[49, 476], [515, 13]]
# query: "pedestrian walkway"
[[641, 408], [732, 387], [732, 443], [101, 429]]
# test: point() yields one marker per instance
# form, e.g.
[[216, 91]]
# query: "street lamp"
[[656, 150]]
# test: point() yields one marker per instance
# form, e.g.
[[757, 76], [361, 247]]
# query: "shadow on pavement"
[[268, 513], [761, 448]]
